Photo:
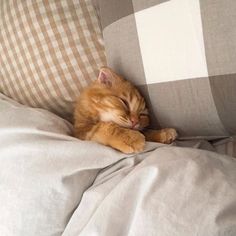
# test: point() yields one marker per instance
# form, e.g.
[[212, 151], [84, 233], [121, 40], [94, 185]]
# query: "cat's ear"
[[106, 76]]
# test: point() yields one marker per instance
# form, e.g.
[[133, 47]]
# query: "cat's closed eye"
[[142, 115], [126, 104]]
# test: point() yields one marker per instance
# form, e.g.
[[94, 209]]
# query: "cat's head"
[[118, 101]]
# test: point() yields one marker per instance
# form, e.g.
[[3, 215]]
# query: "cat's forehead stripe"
[[137, 104], [133, 104]]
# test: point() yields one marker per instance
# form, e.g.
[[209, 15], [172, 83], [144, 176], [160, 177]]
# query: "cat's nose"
[[134, 120]]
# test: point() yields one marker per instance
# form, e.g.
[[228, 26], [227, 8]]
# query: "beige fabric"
[[49, 51]]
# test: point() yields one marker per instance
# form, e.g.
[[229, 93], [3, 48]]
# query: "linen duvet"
[[54, 184]]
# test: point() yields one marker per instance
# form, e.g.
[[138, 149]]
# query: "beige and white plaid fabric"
[[49, 51]]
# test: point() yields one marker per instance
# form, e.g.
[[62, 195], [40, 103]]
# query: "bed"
[[54, 184]]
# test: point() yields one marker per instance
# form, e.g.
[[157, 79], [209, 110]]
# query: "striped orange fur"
[[112, 112]]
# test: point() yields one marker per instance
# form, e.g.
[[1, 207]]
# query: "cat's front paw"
[[132, 142], [168, 135]]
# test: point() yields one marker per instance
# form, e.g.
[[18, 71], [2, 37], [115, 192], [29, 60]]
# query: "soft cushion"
[[50, 50], [44, 171], [54, 184], [182, 56], [226, 146]]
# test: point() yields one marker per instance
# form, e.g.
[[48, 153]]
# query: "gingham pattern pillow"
[[182, 56], [49, 51]]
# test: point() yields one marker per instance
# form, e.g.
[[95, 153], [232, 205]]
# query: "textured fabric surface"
[[169, 191], [54, 184], [49, 51], [43, 172], [226, 146], [182, 56]]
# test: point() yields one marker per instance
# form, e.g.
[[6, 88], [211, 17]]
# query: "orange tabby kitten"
[[112, 112]]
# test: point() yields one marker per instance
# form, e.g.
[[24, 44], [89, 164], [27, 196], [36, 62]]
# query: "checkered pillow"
[[182, 56], [49, 51]]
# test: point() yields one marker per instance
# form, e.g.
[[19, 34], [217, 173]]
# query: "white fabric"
[[165, 59], [54, 184]]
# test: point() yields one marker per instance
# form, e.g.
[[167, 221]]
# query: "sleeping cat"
[[112, 112]]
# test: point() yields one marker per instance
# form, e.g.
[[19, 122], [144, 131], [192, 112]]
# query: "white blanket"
[[54, 184]]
